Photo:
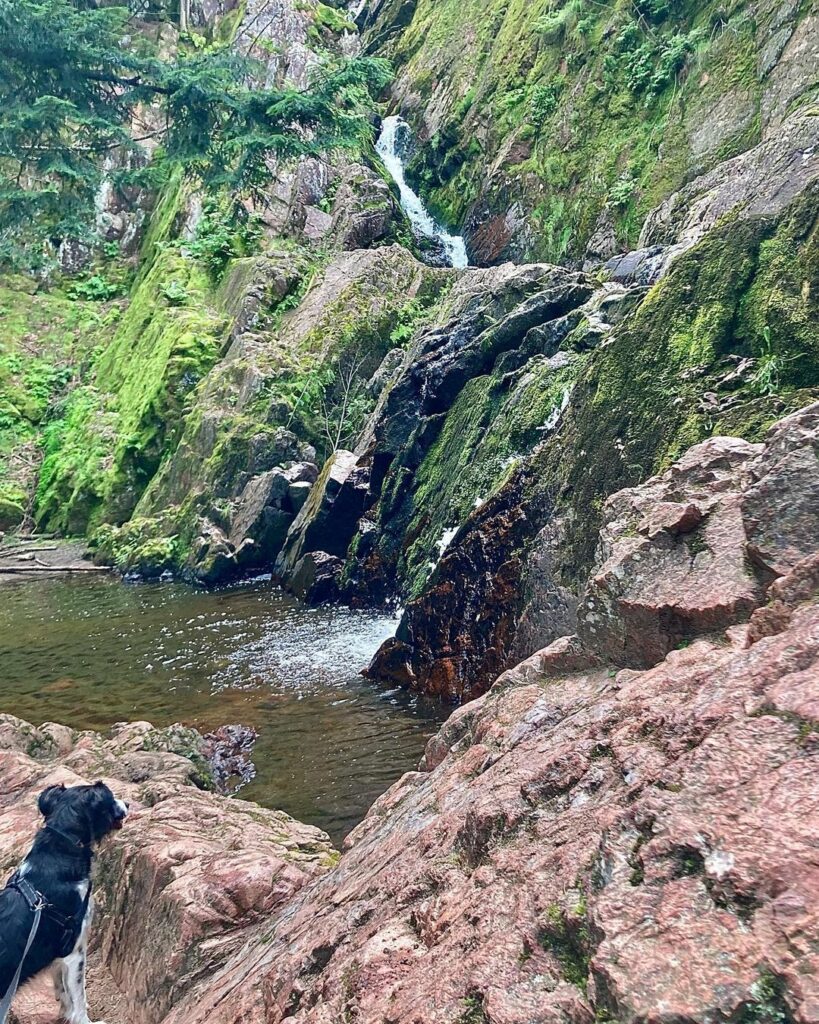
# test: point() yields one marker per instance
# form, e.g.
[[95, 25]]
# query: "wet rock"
[[229, 751], [315, 577], [327, 521], [685, 554]]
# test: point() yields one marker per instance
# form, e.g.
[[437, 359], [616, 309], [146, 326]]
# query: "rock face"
[[180, 889], [529, 124], [590, 844], [583, 842], [513, 573], [682, 555]]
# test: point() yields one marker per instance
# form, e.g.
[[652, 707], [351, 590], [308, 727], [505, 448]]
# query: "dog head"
[[86, 814]]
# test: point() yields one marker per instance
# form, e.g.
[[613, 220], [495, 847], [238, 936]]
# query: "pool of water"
[[91, 651]]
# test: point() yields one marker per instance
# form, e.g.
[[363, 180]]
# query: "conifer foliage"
[[81, 92]]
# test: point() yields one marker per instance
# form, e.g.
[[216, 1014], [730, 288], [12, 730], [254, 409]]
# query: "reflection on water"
[[89, 652]]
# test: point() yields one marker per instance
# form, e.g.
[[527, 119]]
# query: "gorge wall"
[[309, 391]]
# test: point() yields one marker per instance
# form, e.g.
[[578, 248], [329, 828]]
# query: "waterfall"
[[390, 145]]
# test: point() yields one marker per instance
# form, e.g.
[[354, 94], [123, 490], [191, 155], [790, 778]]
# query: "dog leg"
[[74, 1005]]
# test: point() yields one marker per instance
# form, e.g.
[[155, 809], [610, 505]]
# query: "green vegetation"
[[768, 1004], [602, 109], [45, 344], [473, 1011], [113, 432], [69, 93], [746, 290], [569, 942]]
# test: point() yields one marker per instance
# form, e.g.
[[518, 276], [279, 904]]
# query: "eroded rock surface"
[[686, 553], [181, 887], [584, 844]]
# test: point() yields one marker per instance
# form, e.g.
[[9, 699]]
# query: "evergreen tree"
[[72, 79]]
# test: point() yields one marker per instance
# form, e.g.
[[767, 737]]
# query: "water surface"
[[93, 651]]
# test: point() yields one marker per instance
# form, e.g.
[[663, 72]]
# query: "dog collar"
[[69, 839]]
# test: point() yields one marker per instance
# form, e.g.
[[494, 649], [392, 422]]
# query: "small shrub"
[[175, 293], [621, 192], [94, 289], [767, 376], [225, 232], [545, 99]]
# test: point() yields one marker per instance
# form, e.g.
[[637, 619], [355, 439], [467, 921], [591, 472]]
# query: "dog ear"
[[49, 798]]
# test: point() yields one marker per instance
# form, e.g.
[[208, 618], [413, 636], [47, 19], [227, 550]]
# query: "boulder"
[[315, 577], [364, 210], [780, 510], [671, 562], [692, 551], [186, 881], [327, 520], [267, 508]]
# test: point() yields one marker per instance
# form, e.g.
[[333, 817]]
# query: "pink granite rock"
[[638, 847], [180, 888]]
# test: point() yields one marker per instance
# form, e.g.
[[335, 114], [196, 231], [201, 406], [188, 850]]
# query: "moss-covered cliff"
[[177, 407], [550, 129]]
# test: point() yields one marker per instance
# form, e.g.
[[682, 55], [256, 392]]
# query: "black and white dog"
[[56, 878]]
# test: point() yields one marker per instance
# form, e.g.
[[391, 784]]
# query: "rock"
[[657, 583], [760, 182], [582, 846], [327, 521], [669, 570], [297, 494], [315, 577], [186, 881], [265, 512], [364, 210], [685, 554], [213, 558], [780, 509], [228, 750]]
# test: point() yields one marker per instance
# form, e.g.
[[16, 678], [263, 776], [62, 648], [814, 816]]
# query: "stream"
[[90, 652], [391, 147]]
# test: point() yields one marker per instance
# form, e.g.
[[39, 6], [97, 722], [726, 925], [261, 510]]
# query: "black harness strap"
[[36, 904]]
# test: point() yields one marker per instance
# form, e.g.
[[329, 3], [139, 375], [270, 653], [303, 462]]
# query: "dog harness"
[[37, 903]]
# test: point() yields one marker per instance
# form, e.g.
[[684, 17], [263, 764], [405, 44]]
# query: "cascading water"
[[391, 146]]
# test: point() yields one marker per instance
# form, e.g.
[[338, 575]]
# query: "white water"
[[389, 147]]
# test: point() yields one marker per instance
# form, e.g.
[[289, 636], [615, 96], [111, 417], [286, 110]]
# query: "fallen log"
[[14, 551], [54, 568]]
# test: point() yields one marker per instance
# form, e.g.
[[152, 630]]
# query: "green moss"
[[493, 424], [101, 454], [591, 94], [569, 942], [46, 340], [473, 1011], [640, 402]]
